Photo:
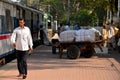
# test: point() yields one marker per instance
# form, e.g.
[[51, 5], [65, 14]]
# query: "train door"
[[32, 23], [8, 21], [28, 18], [17, 17], [35, 27]]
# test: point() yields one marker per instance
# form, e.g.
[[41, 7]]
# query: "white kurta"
[[22, 38]]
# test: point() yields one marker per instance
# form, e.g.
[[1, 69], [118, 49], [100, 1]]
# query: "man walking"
[[22, 41]]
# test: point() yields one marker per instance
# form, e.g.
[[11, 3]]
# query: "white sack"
[[84, 35], [67, 36]]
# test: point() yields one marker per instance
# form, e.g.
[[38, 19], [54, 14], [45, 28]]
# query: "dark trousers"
[[54, 41], [22, 61]]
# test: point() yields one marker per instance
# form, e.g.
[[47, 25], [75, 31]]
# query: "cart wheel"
[[73, 52], [88, 53]]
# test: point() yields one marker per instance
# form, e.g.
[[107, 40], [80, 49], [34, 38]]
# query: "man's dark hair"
[[41, 26], [21, 19]]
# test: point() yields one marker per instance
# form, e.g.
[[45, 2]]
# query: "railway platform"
[[43, 65]]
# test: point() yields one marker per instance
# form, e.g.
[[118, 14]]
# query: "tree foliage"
[[86, 12]]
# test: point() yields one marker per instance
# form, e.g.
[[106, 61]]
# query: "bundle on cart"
[[79, 35], [67, 36], [86, 35]]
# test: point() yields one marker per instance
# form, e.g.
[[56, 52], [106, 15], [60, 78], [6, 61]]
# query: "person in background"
[[104, 35], [67, 27], [55, 43], [116, 30], [60, 28], [111, 38], [76, 27], [22, 42]]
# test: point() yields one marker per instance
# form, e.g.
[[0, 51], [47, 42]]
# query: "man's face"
[[21, 23]]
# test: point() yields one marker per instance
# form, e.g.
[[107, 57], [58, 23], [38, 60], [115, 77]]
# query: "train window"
[[37, 19], [0, 25], [18, 13], [23, 14], [8, 21]]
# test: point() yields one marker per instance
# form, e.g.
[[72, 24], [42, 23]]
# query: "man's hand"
[[30, 49], [14, 44]]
